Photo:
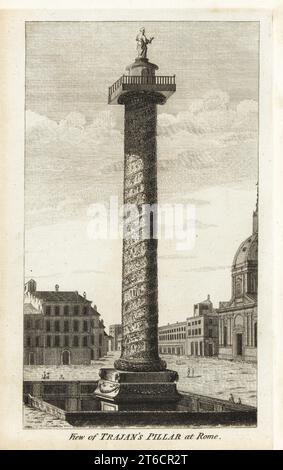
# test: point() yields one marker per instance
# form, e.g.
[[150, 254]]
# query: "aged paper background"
[[270, 14]]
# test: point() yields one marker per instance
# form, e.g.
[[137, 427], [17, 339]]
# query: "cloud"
[[65, 164], [73, 163], [74, 119], [212, 113]]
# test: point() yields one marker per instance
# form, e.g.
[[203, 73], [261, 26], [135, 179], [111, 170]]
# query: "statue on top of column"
[[142, 42]]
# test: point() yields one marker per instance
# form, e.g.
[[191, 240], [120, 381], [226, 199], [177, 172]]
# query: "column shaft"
[[139, 348]]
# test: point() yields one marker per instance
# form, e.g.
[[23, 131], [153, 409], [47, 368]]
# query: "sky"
[[207, 154]]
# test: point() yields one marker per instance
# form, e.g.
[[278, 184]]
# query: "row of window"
[[174, 330], [59, 341], [66, 325], [172, 350], [165, 337], [66, 310], [59, 325], [194, 332], [196, 322]]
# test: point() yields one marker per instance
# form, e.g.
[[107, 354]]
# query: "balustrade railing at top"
[[142, 80]]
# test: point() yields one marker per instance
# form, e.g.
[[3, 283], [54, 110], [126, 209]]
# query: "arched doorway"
[[66, 358]]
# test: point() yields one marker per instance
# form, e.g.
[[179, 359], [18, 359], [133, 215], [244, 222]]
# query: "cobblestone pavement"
[[212, 376]]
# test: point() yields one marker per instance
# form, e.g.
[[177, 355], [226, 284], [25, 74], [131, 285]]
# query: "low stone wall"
[[41, 405], [202, 403], [65, 395]]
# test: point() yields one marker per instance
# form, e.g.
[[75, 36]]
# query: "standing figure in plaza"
[[142, 42]]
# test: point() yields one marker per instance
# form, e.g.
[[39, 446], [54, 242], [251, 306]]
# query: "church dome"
[[247, 251]]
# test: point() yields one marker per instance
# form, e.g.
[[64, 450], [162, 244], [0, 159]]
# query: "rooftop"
[[60, 296]]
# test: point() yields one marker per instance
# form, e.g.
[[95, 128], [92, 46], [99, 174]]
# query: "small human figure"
[[44, 375], [188, 372], [61, 377], [47, 375], [231, 398]]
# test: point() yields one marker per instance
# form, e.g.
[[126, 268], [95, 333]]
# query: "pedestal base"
[[129, 391]]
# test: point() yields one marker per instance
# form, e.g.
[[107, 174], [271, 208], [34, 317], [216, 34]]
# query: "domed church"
[[238, 317]]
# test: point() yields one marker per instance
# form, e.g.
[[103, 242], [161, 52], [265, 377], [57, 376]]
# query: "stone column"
[[140, 379], [139, 349]]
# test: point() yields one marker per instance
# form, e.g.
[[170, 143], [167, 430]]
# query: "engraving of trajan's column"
[[143, 92], [140, 90]]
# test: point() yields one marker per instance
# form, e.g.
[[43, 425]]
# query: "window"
[[76, 310], [37, 324], [92, 339], [66, 340], [37, 341], [189, 332], [85, 341], [75, 341], [47, 325], [199, 331], [57, 310], [210, 321], [76, 325], [28, 341], [100, 339], [85, 310], [48, 341], [48, 310], [57, 325], [57, 341], [66, 326], [66, 310], [85, 326], [28, 324], [210, 332]]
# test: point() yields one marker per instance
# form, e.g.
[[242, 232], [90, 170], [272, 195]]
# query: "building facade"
[[202, 330], [116, 332], [61, 328], [172, 339], [238, 317]]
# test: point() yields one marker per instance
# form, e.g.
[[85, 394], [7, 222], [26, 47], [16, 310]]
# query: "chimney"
[[208, 297], [56, 287]]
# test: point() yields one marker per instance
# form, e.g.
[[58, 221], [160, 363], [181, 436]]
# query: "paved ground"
[[36, 419], [212, 376], [216, 378]]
